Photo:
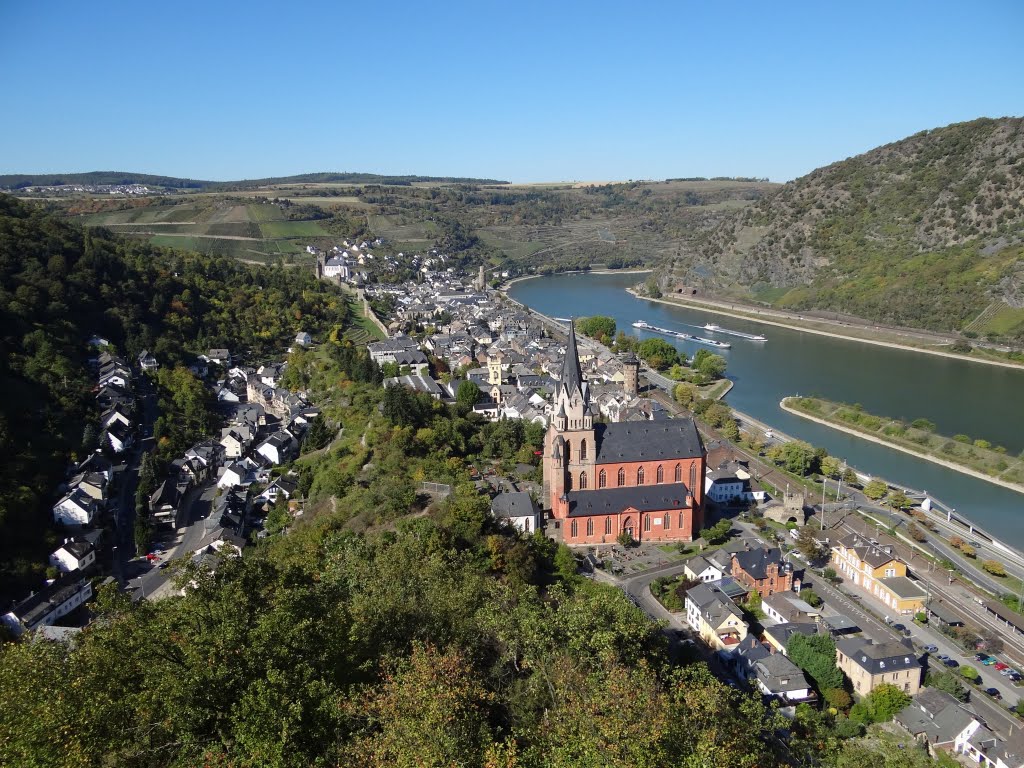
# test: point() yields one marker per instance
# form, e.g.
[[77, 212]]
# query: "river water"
[[959, 397]]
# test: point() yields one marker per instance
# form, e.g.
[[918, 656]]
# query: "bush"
[[921, 617], [880, 705], [810, 597], [968, 551], [837, 698], [969, 673], [624, 539]]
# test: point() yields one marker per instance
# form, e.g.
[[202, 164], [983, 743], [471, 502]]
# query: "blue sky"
[[515, 90]]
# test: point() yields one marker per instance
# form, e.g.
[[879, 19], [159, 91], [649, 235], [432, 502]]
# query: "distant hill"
[[96, 178], [924, 232]]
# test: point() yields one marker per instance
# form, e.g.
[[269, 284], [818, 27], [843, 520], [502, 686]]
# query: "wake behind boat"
[[679, 335], [719, 329]]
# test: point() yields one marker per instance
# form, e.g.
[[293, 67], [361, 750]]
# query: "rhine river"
[[982, 401]]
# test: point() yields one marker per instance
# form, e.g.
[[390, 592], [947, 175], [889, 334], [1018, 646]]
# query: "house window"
[[583, 450], [679, 473], [647, 523], [572, 530], [640, 476], [607, 526], [668, 522], [590, 526], [602, 479], [660, 474], [622, 477], [890, 572], [583, 481]]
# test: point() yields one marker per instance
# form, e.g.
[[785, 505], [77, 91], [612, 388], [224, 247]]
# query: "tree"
[[810, 597], [684, 394], [816, 655], [944, 681], [830, 467], [994, 567], [968, 551], [880, 705], [969, 673], [717, 533], [277, 518], [875, 489], [711, 365], [850, 477], [597, 327], [916, 533], [467, 394], [899, 500], [657, 353], [807, 544]]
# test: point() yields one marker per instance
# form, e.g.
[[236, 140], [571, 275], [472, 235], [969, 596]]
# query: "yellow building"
[[879, 572], [869, 665]]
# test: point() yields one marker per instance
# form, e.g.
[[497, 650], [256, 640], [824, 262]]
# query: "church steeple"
[[572, 374]]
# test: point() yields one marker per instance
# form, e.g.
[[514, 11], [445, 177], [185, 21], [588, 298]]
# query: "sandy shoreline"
[[719, 310], [504, 288], [926, 456]]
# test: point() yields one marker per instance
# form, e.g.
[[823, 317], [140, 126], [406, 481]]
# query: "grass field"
[[277, 229]]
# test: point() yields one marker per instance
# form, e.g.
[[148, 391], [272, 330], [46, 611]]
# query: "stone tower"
[[570, 450], [631, 375], [494, 369], [481, 280]]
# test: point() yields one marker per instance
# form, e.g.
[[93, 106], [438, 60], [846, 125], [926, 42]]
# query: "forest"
[[61, 284]]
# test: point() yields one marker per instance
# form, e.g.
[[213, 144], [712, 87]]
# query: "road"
[[124, 513]]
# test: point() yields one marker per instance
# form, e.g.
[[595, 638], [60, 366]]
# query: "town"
[[772, 594]]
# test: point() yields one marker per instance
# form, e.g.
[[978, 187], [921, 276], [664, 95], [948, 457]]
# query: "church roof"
[[644, 498], [572, 375], [648, 441]]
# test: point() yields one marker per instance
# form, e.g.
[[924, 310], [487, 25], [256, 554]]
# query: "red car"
[[1000, 666]]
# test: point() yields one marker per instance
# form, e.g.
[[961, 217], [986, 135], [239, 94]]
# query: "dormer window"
[[881, 665]]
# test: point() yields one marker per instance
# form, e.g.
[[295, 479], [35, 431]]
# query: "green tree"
[[657, 353], [944, 681], [994, 567], [875, 489], [684, 394], [807, 544], [597, 327], [880, 705], [816, 655], [467, 394]]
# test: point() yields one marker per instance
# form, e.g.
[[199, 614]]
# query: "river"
[[982, 401]]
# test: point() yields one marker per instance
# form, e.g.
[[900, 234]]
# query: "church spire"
[[572, 375]]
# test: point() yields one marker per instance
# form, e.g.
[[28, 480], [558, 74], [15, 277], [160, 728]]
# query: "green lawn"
[[273, 229]]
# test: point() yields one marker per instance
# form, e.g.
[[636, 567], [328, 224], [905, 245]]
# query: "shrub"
[[837, 698], [969, 673], [968, 551], [921, 617], [810, 597]]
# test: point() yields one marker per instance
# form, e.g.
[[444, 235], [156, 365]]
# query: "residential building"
[[74, 554], [939, 721], [763, 569], [787, 607], [715, 617], [869, 665], [278, 448], [77, 508], [49, 604], [700, 569]]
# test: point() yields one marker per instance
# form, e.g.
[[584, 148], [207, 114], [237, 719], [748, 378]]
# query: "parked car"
[[991, 661], [931, 648], [951, 663], [981, 657], [942, 657], [994, 693], [1001, 665], [899, 628]]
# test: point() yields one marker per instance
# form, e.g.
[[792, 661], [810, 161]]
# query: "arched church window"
[[583, 481], [640, 476], [693, 477], [661, 474], [583, 450], [679, 473], [602, 479], [622, 477], [590, 526]]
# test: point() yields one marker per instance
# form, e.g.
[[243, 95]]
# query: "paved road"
[[124, 513]]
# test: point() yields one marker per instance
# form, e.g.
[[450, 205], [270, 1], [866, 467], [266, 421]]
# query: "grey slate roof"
[[782, 632], [903, 587], [936, 714], [755, 562], [880, 658], [610, 501], [571, 377], [779, 674], [514, 504], [647, 441]]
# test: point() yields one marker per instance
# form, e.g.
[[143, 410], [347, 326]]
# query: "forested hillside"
[[59, 285], [924, 232]]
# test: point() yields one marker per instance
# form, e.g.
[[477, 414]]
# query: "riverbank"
[[897, 447], [843, 331]]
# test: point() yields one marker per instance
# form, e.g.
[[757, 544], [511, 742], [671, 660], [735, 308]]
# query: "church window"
[[693, 477], [640, 476], [661, 474], [602, 479], [572, 530], [568, 481], [622, 477], [647, 523], [607, 526], [568, 451], [590, 526], [583, 481], [679, 473], [668, 522], [680, 519], [583, 450]]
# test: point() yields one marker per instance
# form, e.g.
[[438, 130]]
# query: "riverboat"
[[719, 329], [680, 335]]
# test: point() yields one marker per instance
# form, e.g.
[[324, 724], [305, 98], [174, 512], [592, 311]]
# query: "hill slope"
[[924, 232]]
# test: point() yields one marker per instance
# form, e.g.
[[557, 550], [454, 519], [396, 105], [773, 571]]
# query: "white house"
[[119, 436], [77, 508], [73, 554], [233, 474], [517, 508], [336, 266], [277, 448], [702, 570], [48, 604], [236, 440], [303, 339]]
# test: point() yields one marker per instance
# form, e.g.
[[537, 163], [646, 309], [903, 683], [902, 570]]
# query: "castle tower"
[[570, 449], [631, 375], [494, 369], [481, 281]]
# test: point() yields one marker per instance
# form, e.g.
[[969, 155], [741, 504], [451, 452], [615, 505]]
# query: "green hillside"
[[925, 232]]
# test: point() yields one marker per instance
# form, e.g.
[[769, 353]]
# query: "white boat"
[[681, 335], [719, 329]]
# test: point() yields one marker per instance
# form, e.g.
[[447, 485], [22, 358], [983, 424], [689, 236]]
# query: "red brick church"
[[645, 478]]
